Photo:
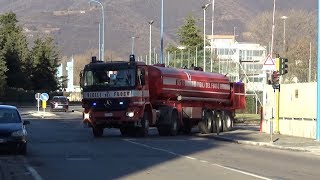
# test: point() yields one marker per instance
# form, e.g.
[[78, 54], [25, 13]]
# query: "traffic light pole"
[[277, 103], [277, 99]]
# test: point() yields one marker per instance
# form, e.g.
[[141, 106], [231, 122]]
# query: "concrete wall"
[[297, 116]]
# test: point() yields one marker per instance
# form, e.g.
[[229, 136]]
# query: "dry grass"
[[247, 118]]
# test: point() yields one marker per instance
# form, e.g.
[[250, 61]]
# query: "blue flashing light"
[[121, 102], [94, 104]]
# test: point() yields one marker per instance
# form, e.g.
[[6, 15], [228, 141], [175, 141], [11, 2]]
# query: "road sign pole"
[[38, 104]]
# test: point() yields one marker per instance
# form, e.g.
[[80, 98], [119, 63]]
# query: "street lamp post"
[[181, 53], [132, 44], [204, 35], [211, 42], [273, 26], [161, 34], [284, 32], [102, 14], [150, 40]]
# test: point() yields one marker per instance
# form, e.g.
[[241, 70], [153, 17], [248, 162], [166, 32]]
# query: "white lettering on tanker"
[[196, 84], [199, 84], [107, 94], [116, 94]]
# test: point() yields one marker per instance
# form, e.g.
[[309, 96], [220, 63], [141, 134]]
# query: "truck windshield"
[[109, 78]]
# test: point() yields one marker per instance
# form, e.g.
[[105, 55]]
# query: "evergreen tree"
[[189, 33], [46, 59], [14, 50], [3, 77]]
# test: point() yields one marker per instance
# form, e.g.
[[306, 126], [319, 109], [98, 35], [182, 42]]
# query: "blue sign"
[[44, 97]]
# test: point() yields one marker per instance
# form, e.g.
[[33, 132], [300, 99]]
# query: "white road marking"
[[78, 159], [189, 157], [34, 173]]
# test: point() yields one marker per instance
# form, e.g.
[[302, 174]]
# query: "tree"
[[190, 37], [189, 33], [301, 29], [46, 59], [3, 77], [299, 61], [14, 49]]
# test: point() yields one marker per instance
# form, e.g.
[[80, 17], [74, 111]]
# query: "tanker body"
[[189, 85], [135, 96]]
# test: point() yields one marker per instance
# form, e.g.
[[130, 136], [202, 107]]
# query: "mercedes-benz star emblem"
[[108, 103]]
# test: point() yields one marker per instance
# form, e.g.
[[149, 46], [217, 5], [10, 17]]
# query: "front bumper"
[[8, 143], [111, 119]]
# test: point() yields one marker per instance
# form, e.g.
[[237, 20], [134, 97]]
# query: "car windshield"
[[59, 99], [110, 78], [9, 116]]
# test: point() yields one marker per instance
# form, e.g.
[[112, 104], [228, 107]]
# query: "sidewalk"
[[251, 135]]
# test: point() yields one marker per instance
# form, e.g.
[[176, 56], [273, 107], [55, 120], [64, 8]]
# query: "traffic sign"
[[269, 64], [44, 97], [269, 61], [37, 96]]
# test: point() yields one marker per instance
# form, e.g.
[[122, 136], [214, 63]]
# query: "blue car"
[[13, 135]]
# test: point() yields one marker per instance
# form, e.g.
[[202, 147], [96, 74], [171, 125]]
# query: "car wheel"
[[97, 131], [23, 149]]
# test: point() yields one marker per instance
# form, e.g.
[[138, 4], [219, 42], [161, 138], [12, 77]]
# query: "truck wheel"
[[163, 130], [144, 129], [218, 122], [205, 125], [187, 126], [97, 131], [124, 131], [171, 127], [227, 121], [174, 123]]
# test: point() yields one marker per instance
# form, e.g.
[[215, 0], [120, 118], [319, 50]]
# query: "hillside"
[[74, 23]]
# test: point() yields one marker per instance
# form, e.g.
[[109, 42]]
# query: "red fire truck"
[[133, 97]]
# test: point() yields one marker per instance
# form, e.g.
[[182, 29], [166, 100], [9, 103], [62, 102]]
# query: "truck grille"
[[108, 104]]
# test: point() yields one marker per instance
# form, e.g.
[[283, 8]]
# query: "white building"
[[240, 61]]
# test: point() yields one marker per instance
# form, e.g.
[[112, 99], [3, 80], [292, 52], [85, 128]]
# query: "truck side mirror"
[[81, 79], [142, 77]]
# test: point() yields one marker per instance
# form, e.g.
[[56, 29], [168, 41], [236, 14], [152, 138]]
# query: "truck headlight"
[[86, 116], [19, 133], [130, 114]]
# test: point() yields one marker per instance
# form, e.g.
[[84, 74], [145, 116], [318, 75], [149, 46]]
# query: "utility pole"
[[211, 42], [150, 40], [284, 32], [161, 34], [204, 35], [318, 84]]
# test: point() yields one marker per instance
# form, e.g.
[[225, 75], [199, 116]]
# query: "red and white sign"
[[269, 60], [269, 63]]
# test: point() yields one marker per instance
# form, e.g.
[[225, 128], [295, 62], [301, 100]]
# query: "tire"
[[187, 126], [23, 149], [218, 122], [163, 131], [144, 129], [97, 131], [174, 125], [124, 131], [171, 127], [205, 125], [227, 121]]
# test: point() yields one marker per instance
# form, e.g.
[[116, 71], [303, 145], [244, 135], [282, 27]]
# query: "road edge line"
[[34, 173]]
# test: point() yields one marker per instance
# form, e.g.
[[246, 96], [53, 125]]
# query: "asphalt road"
[[61, 148]]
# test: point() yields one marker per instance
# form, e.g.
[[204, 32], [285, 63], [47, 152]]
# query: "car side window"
[[9, 116]]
